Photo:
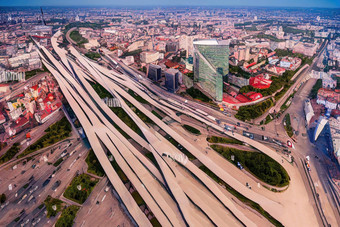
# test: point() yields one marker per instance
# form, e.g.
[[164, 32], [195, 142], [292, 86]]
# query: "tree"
[[2, 198]]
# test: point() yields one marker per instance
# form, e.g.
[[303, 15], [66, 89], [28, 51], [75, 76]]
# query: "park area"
[[80, 188]]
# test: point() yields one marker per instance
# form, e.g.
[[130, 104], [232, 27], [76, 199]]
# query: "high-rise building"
[[171, 47], [172, 79], [154, 72], [211, 66]]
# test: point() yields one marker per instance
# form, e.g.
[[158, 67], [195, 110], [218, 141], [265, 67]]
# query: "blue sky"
[[285, 3]]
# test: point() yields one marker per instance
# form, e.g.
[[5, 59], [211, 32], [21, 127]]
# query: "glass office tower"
[[211, 65]]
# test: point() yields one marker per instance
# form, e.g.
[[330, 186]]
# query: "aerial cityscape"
[[213, 113]]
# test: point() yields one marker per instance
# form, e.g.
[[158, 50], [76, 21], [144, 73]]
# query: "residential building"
[[307, 49], [330, 99]]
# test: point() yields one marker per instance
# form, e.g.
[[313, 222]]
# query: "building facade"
[[154, 72], [172, 79], [211, 66]]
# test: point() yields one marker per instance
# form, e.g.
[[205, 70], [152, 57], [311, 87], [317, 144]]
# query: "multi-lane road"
[[172, 196]]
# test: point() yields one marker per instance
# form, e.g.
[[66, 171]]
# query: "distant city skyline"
[[243, 3]]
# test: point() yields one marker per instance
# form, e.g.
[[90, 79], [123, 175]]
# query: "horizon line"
[[175, 6]]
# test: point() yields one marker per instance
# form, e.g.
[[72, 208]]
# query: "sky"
[[270, 3]]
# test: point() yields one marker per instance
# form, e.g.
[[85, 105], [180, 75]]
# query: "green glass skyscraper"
[[211, 65]]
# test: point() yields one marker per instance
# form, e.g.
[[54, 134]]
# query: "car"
[[46, 182], [56, 185], [289, 144], [248, 134], [265, 138], [36, 222]]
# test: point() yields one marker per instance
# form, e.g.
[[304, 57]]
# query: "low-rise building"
[[259, 82], [149, 56], [274, 69], [329, 98], [307, 49], [290, 63]]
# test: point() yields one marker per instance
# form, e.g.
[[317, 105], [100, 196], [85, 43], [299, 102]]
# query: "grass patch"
[[139, 200], [192, 129], [10, 153], [270, 37], [139, 113], [282, 92], [180, 147], [155, 223], [253, 111], [268, 119], [100, 90], [217, 139], [93, 164], [49, 203], [32, 73], [314, 92], [78, 38], [242, 198], [157, 114], [87, 184], [67, 216], [288, 125], [93, 55], [83, 25], [126, 119], [119, 171], [131, 53], [55, 133], [197, 94], [152, 158], [260, 165], [2, 145], [137, 97], [57, 163], [237, 70]]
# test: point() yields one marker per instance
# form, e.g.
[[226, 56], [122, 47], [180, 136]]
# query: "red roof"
[[242, 98], [40, 37], [253, 95], [229, 99], [35, 87], [171, 64], [259, 82], [20, 122], [254, 63]]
